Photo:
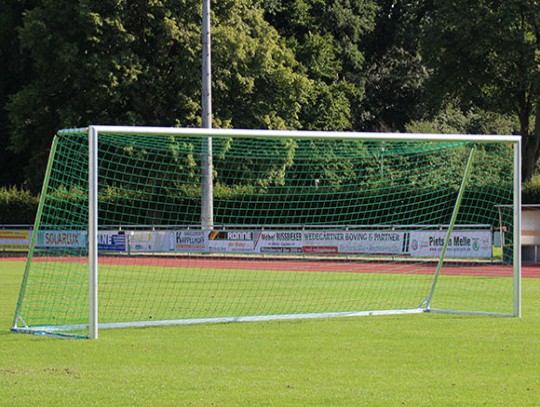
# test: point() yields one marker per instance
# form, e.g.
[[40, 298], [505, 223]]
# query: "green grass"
[[414, 360], [56, 293]]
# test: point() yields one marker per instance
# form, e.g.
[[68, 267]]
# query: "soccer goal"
[[285, 224]]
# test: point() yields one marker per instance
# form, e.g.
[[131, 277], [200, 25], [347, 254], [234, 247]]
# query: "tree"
[[398, 24], [327, 37], [394, 90], [452, 120], [395, 74], [487, 54], [15, 72], [257, 82], [139, 62], [101, 62]]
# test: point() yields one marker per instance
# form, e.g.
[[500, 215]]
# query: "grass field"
[[416, 360]]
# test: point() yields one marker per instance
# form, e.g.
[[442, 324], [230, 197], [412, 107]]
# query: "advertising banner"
[[465, 243], [151, 241], [283, 241], [51, 239], [355, 242], [190, 241], [332, 242], [111, 241], [231, 241], [473, 243], [14, 240]]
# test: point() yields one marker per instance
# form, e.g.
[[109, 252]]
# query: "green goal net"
[[298, 225]]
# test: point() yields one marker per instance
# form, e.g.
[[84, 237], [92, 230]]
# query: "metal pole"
[[306, 134], [206, 66], [207, 193], [455, 212], [517, 229], [93, 232], [382, 158]]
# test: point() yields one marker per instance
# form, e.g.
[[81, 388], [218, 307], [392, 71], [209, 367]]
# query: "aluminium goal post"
[[305, 225]]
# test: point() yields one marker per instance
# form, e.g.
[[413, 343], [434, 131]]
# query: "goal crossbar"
[[307, 134]]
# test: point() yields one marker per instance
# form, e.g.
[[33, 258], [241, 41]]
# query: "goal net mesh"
[[301, 228]]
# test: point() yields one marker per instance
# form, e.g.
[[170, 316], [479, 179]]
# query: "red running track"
[[326, 265]]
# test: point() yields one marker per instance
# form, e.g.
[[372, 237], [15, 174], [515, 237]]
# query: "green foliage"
[[395, 71], [318, 53], [17, 206], [394, 90], [498, 70], [327, 39], [397, 25], [15, 71], [277, 64], [257, 81], [139, 63], [263, 166], [305, 206], [330, 107], [454, 120], [531, 191]]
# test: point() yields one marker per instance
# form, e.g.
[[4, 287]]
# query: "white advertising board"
[[473, 243], [190, 241], [331, 242], [61, 239], [231, 241], [151, 241], [355, 242], [282, 241]]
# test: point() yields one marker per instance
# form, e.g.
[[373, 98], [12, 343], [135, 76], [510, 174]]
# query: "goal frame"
[[94, 131]]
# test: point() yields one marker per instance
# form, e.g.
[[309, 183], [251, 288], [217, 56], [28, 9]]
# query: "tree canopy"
[[391, 65], [487, 54]]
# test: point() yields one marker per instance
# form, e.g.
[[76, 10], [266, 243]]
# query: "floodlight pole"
[[207, 189]]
